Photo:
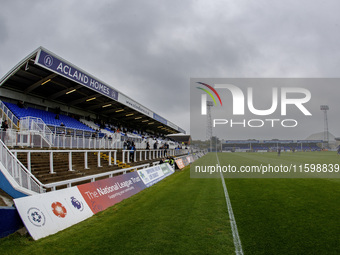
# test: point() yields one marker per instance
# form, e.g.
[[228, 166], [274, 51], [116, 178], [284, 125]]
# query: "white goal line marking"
[[236, 237]]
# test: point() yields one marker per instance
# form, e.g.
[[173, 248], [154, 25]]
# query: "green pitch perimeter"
[[182, 215]]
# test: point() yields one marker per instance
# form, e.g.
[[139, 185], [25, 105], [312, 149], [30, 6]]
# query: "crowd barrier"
[[183, 161], [48, 213]]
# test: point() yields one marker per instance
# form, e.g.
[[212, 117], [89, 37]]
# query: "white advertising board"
[[48, 213], [154, 174]]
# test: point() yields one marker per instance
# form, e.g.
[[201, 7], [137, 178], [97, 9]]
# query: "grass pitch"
[[286, 216], [182, 215]]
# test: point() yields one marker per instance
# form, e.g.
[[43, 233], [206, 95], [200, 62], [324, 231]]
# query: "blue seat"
[[47, 117]]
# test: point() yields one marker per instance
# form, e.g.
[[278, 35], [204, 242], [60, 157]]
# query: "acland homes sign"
[[57, 65]]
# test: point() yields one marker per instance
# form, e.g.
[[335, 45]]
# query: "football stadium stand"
[[63, 123], [61, 127]]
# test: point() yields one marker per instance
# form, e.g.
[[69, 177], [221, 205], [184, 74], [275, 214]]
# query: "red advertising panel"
[[102, 194], [179, 163]]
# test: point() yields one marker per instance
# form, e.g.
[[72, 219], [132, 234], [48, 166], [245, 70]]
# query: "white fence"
[[138, 155], [36, 125], [14, 138], [26, 179], [6, 114], [18, 171], [112, 154], [93, 178]]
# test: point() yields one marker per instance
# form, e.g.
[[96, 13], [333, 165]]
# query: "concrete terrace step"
[[40, 164]]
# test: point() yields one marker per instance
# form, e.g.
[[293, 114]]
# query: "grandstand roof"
[[45, 75], [182, 138]]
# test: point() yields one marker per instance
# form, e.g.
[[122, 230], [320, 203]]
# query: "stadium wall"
[[7, 187], [10, 221]]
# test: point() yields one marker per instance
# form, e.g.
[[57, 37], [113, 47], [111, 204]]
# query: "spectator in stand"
[[165, 147], [21, 104], [155, 146], [132, 149], [62, 124], [147, 146], [171, 161], [57, 112], [4, 127]]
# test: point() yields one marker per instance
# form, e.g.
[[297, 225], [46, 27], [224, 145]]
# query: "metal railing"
[[112, 155], [6, 114], [18, 171], [143, 155], [36, 125], [26, 179], [93, 178], [14, 138], [140, 155]]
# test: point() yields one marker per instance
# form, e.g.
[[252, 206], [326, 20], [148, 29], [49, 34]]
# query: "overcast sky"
[[149, 50]]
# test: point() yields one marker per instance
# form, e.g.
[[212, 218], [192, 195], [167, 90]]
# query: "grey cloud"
[[149, 50]]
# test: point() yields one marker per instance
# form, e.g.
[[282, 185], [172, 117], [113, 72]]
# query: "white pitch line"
[[236, 237]]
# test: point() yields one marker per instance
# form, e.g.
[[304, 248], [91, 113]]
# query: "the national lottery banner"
[[46, 214], [102, 194]]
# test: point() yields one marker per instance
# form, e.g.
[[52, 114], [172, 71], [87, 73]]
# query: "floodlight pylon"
[[325, 108], [209, 119]]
